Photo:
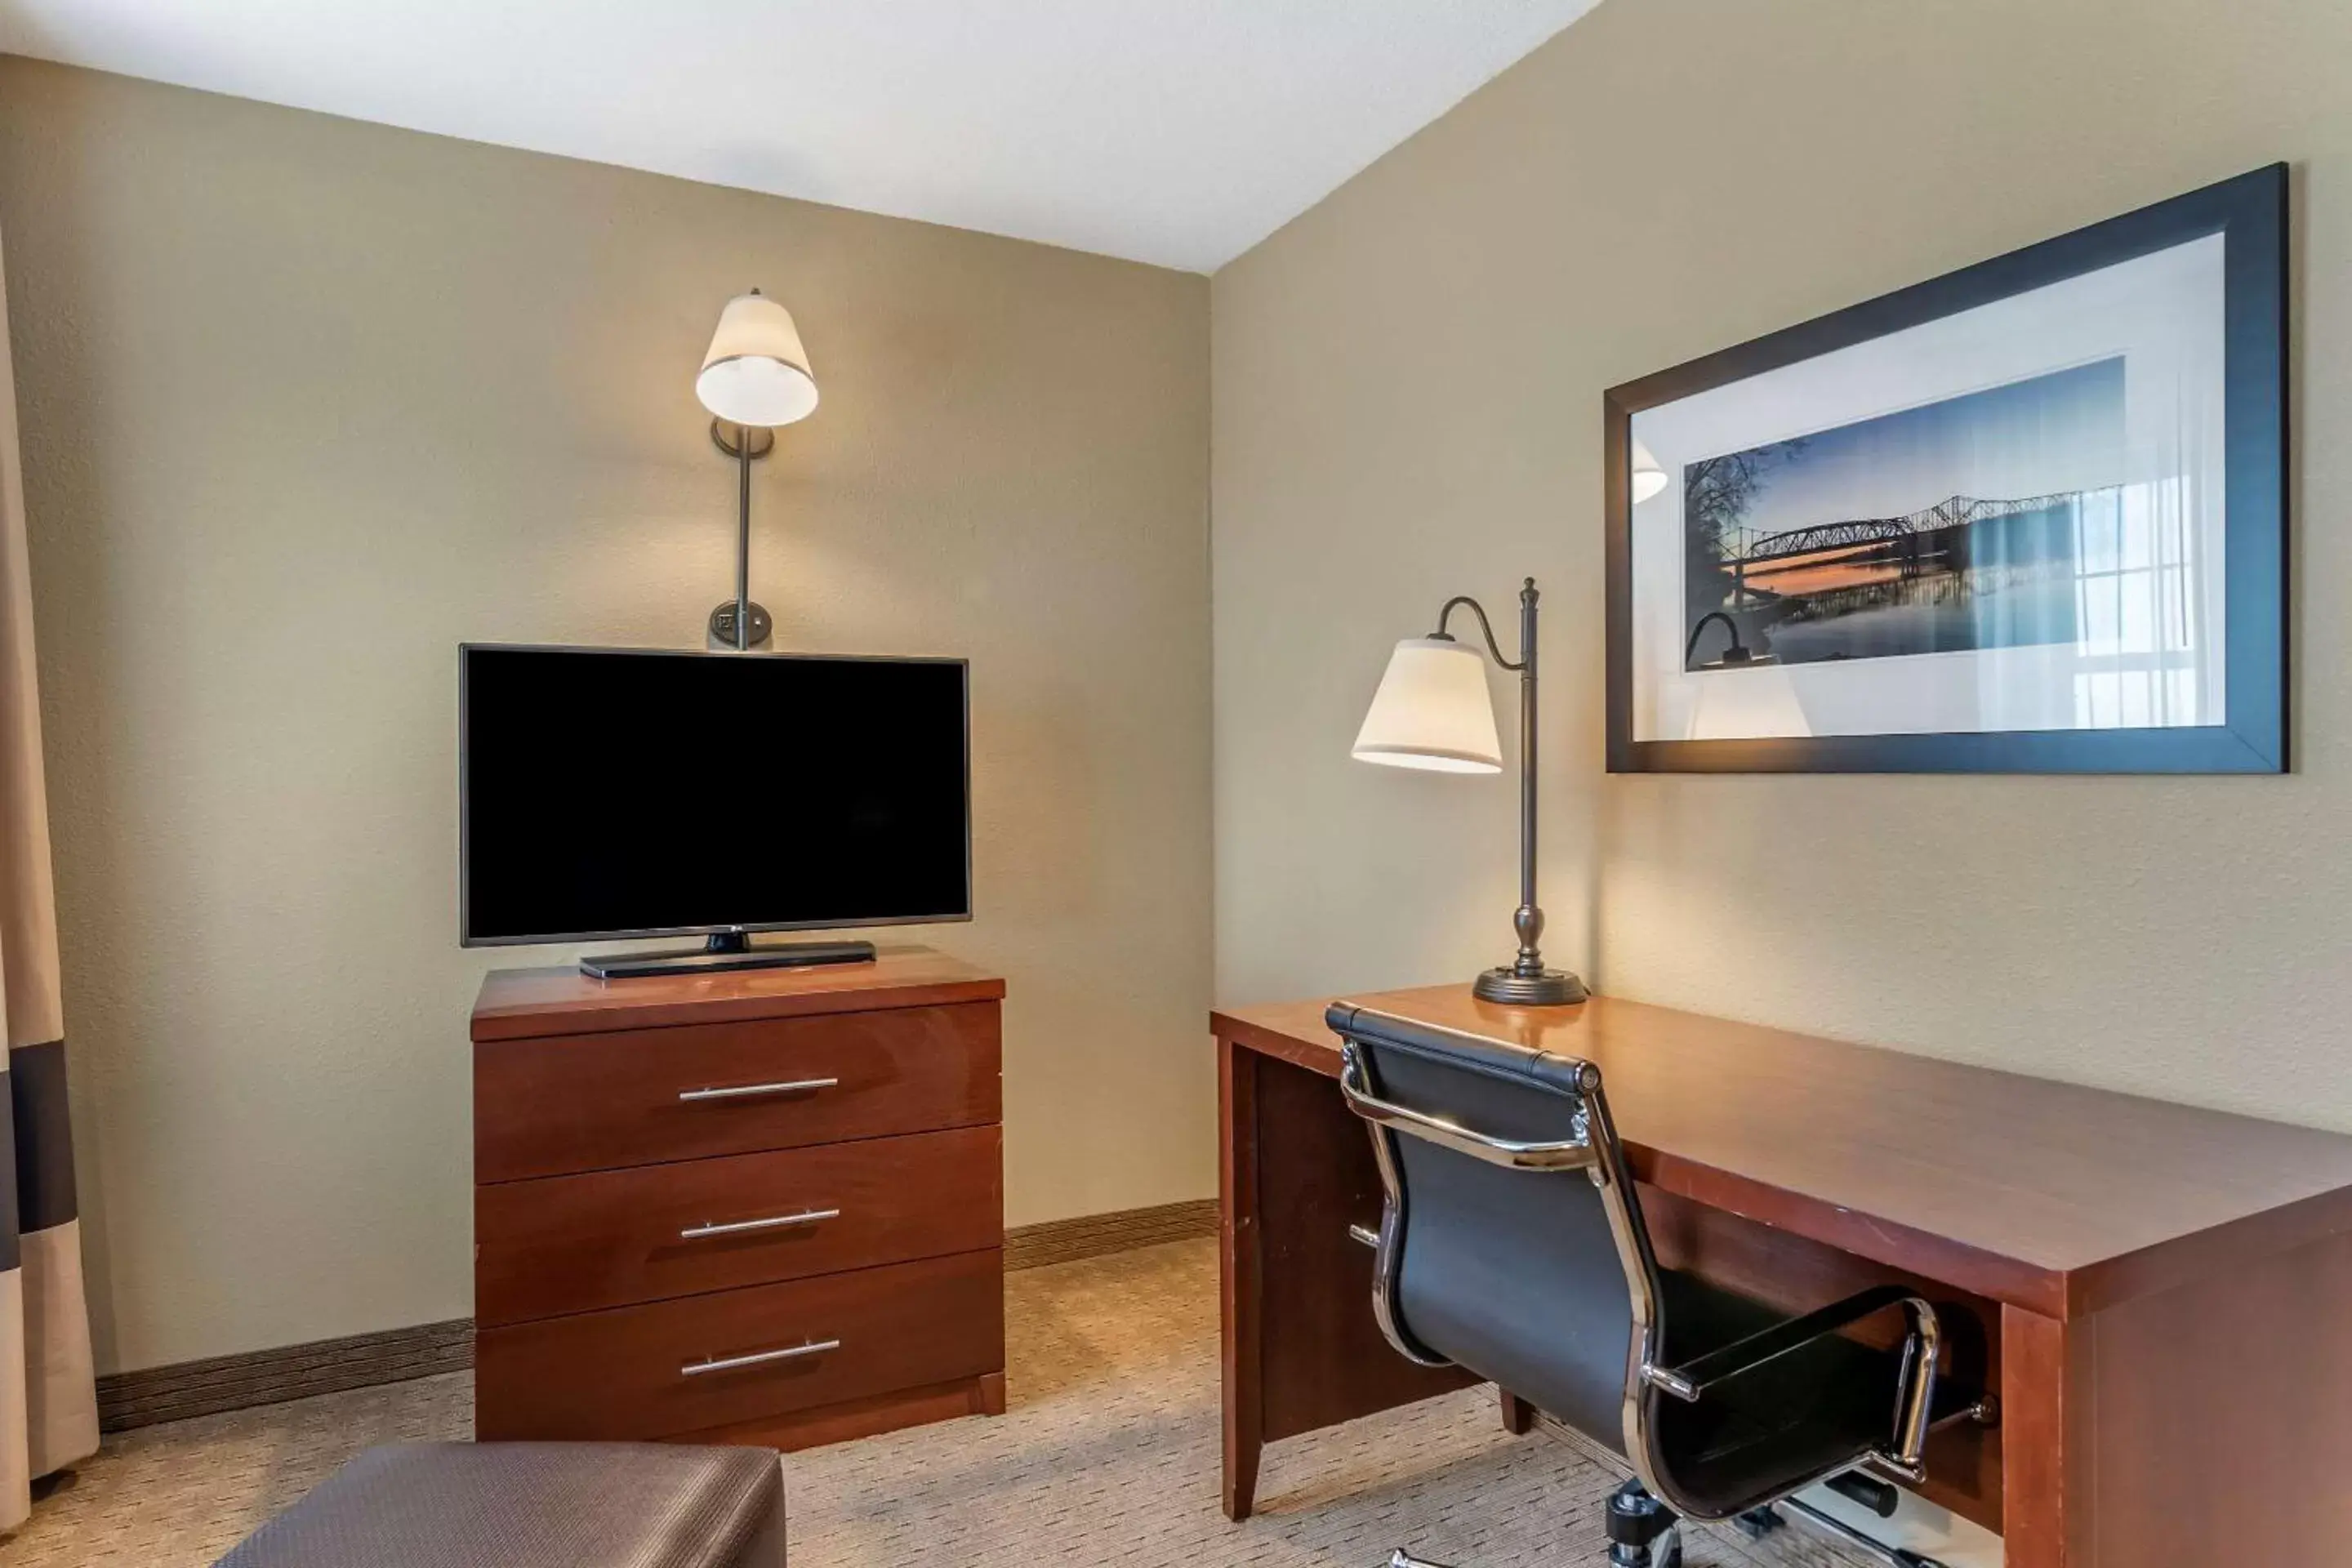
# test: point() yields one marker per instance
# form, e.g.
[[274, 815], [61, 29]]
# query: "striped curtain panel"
[[48, 1400]]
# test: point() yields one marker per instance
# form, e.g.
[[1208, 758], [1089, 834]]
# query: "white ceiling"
[[1174, 132]]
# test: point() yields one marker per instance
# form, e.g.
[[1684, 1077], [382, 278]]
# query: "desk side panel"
[[2218, 1420], [1323, 1357]]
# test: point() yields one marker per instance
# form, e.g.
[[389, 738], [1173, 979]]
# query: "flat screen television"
[[631, 793]]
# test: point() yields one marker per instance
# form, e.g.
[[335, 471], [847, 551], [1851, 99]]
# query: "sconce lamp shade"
[[757, 374], [1432, 711], [1649, 478]]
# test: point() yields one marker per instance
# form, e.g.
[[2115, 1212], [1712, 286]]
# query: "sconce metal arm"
[[1485, 626], [1700, 630]]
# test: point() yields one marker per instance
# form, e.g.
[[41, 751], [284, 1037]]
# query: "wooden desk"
[[2160, 1295]]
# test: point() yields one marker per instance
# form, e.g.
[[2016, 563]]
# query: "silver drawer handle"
[[752, 1090], [743, 1226], [757, 1358]]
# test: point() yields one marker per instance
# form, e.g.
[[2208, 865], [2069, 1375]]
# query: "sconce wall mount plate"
[[729, 438]]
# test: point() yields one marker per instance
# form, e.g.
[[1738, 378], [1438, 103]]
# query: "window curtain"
[[48, 1399]]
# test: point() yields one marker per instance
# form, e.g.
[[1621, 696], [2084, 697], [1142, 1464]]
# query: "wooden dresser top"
[[519, 1003]]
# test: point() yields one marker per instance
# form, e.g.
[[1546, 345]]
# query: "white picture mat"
[[2150, 649]]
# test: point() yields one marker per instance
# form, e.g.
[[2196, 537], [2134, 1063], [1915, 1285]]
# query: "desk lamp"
[[755, 378], [1432, 711]]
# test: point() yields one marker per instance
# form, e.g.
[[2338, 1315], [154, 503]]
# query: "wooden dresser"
[[765, 1206]]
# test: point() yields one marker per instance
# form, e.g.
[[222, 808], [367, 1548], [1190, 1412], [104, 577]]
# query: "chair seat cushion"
[[533, 1505]]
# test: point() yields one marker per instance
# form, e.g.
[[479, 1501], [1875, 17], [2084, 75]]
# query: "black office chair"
[[1512, 1242]]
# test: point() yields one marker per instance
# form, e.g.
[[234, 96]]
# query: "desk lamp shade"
[[757, 374], [1432, 711]]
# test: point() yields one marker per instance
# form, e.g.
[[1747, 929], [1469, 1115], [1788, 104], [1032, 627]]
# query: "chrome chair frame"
[[1597, 1152]]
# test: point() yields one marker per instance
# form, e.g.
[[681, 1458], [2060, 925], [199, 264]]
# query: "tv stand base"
[[729, 950]]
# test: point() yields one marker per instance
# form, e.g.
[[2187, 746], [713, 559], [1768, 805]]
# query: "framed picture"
[[2029, 517]]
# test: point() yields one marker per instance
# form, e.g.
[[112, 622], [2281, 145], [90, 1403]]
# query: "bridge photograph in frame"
[[2028, 517]]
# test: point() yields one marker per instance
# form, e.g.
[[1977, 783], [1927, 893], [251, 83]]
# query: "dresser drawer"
[[739, 1356], [587, 1102], [608, 1238]]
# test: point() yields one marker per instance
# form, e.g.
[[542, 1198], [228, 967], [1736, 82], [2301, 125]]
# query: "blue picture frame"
[[2251, 212]]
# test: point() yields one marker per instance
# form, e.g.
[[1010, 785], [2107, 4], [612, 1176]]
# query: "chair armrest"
[[1915, 1383], [1690, 1380]]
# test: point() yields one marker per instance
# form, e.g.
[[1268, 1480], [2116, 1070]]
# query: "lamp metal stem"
[[1523, 982], [743, 540], [1529, 919]]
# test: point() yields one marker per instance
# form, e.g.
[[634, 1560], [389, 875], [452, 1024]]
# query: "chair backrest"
[[1511, 1241]]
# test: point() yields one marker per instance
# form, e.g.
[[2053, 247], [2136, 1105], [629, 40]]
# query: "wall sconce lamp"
[[755, 378], [1738, 654], [1432, 711], [1649, 477]]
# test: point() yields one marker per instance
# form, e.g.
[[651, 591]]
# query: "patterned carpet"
[[1109, 1454]]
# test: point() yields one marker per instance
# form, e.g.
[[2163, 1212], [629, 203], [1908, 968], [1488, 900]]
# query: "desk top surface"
[[517, 1003], [2051, 1197]]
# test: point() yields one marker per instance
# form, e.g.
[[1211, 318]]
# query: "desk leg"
[[1241, 1301], [2038, 1409], [1302, 1349]]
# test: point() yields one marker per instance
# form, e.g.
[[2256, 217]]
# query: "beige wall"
[[1407, 403], [306, 403]]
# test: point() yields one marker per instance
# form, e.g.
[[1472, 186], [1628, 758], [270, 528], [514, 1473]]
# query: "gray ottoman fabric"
[[533, 1505]]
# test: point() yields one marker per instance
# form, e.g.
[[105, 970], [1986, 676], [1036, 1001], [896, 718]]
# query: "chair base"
[[1643, 1532], [1666, 1552], [1837, 1530]]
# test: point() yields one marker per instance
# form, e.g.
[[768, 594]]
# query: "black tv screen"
[[625, 793]]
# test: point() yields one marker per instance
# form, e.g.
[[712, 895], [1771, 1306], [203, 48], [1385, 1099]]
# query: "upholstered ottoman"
[[533, 1505]]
